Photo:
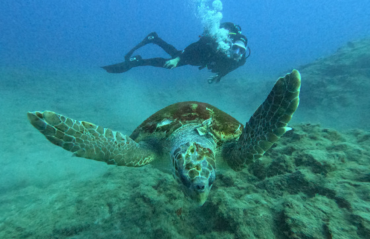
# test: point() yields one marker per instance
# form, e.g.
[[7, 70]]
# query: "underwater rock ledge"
[[314, 183], [336, 88]]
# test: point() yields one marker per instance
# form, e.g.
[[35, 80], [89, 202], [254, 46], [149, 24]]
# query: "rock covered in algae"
[[314, 184], [336, 88]]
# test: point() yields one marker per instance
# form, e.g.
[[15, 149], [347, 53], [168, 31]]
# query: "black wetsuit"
[[202, 53]]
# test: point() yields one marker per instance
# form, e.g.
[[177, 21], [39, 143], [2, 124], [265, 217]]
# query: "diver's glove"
[[172, 63], [216, 78]]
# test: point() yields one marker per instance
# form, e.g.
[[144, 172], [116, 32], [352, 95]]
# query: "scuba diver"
[[203, 53]]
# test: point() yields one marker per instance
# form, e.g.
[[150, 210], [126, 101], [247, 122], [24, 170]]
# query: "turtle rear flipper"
[[90, 141], [267, 124]]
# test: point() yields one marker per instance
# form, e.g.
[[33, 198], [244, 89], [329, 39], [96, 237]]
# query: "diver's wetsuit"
[[202, 53]]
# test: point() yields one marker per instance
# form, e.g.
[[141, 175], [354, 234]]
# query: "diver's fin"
[[124, 66], [118, 68]]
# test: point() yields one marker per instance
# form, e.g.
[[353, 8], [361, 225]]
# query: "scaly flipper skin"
[[267, 124], [90, 141]]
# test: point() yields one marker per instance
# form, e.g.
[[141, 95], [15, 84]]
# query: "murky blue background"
[[89, 34], [51, 52]]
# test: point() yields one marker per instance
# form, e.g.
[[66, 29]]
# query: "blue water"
[[90, 34], [51, 52]]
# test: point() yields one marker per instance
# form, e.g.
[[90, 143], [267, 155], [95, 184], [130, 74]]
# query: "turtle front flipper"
[[90, 141], [267, 124]]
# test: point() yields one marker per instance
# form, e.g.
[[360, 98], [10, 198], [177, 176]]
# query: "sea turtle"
[[193, 137]]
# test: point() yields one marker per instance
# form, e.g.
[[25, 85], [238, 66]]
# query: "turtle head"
[[194, 168]]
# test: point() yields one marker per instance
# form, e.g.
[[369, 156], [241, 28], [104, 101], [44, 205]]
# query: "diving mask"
[[237, 50]]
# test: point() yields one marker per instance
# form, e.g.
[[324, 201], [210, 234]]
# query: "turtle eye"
[[211, 178], [210, 181], [184, 179]]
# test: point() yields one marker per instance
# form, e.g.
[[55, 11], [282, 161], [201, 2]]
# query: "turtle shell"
[[164, 122]]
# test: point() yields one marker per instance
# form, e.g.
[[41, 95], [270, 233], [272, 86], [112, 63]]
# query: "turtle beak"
[[200, 190], [201, 198]]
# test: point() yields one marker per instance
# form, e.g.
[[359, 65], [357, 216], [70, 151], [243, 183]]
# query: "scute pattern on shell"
[[223, 126]]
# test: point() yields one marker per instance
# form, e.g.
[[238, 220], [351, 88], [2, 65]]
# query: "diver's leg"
[[168, 48], [153, 38], [156, 62], [138, 61], [148, 39], [123, 66], [135, 62]]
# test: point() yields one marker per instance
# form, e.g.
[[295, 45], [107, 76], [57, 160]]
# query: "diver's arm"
[[172, 63], [195, 54], [223, 72], [215, 78], [184, 59]]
